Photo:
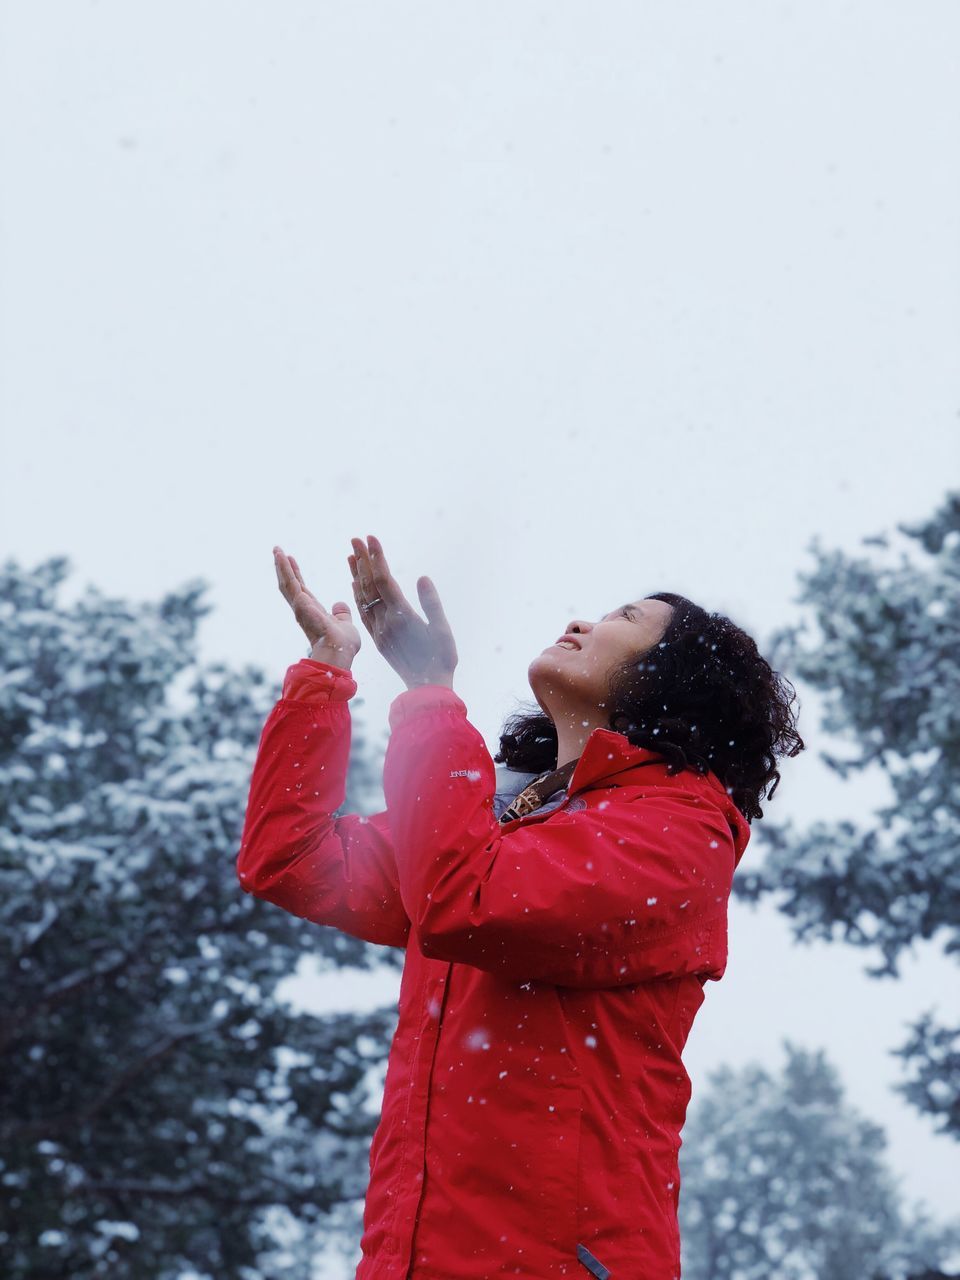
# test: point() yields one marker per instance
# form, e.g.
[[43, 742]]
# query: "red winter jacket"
[[535, 1092]]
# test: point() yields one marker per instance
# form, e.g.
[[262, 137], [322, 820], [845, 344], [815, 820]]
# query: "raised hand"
[[420, 652], [333, 635]]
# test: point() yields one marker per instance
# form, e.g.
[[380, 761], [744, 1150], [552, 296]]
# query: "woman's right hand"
[[334, 638]]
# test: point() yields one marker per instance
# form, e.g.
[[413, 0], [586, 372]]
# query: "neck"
[[573, 730]]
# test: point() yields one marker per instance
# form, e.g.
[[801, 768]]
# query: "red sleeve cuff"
[[426, 697], [311, 681]]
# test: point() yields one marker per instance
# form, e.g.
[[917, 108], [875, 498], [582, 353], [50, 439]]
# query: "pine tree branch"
[[145, 1187], [64, 990], [32, 1129]]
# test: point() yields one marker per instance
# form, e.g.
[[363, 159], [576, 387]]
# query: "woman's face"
[[563, 677]]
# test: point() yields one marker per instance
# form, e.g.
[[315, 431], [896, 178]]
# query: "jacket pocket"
[[593, 1265]]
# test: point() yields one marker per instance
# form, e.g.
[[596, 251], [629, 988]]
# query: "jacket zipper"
[[593, 1265]]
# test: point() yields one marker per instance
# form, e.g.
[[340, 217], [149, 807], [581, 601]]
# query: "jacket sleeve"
[[627, 890], [293, 852]]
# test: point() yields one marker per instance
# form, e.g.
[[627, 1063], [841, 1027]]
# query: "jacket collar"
[[608, 755]]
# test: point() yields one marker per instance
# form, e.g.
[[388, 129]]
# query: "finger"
[[291, 582], [284, 574], [296, 570], [364, 570], [365, 614], [430, 600], [356, 584], [386, 584], [300, 582], [384, 581], [377, 558]]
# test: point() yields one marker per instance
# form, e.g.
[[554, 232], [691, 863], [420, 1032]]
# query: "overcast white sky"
[[566, 303]]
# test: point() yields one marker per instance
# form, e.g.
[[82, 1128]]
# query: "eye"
[[627, 612]]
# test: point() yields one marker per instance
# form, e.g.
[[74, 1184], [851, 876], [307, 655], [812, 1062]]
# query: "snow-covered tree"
[[162, 1111], [780, 1177], [885, 651]]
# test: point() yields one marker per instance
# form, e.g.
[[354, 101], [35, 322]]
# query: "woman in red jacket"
[[556, 949]]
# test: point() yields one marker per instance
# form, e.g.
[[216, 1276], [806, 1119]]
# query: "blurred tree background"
[[881, 639], [781, 1178], [162, 1111]]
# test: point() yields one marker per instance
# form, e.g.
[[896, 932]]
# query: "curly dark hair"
[[703, 698]]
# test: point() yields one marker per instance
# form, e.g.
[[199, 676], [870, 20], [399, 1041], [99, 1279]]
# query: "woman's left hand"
[[420, 652]]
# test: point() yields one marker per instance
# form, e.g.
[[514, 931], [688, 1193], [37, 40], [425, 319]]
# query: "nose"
[[578, 626]]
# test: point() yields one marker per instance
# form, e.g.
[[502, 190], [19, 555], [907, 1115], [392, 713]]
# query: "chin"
[[538, 671]]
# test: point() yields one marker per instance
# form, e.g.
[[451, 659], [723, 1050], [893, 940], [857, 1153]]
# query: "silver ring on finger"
[[370, 603]]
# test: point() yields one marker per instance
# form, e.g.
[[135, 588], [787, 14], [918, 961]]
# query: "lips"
[[568, 640]]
